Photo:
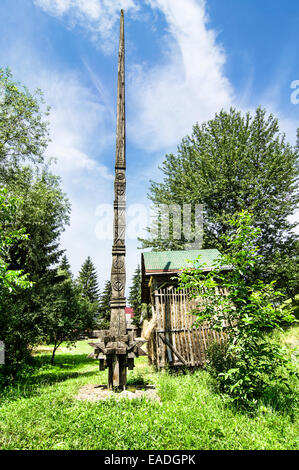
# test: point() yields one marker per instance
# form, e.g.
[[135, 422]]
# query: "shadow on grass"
[[66, 366], [62, 360], [40, 373]]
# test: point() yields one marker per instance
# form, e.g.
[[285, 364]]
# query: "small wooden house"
[[173, 340]]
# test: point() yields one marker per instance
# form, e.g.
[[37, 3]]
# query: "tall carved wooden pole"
[[117, 367], [116, 348]]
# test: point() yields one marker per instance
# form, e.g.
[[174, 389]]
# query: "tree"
[[45, 210], [10, 280], [135, 296], [228, 164], [43, 213], [103, 320], [23, 127], [249, 362], [65, 267], [88, 281], [67, 314]]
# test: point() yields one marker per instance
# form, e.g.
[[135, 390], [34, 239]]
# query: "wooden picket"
[[176, 341]]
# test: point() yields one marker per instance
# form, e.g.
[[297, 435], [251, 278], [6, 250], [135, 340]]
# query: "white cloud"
[[190, 86], [54, 7], [82, 128], [97, 17], [76, 117], [167, 99]]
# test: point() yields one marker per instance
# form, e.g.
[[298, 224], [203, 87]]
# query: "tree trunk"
[[56, 345]]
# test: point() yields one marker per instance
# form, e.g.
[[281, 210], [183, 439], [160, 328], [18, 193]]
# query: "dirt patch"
[[93, 392]]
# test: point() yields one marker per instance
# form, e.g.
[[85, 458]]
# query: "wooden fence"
[[175, 341]]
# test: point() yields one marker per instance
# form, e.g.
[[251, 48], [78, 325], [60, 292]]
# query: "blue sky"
[[185, 60]]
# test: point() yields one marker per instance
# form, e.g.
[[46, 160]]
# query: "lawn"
[[41, 412]]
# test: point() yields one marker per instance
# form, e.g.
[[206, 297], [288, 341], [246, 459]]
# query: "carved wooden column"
[[116, 349], [117, 367]]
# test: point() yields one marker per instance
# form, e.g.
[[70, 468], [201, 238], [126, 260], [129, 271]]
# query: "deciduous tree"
[[230, 163], [24, 130]]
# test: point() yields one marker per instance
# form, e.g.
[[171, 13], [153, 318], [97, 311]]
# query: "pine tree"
[[103, 319], [64, 267], [88, 281], [135, 296]]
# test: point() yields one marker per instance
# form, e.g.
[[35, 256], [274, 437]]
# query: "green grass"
[[41, 412]]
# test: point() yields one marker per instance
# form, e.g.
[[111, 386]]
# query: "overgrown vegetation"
[[41, 412], [248, 365], [11, 280], [42, 212]]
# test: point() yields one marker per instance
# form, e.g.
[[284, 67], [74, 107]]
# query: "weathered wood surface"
[[172, 348], [118, 270], [118, 346], [175, 340]]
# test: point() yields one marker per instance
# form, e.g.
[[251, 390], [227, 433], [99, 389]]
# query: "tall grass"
[[41, 412]]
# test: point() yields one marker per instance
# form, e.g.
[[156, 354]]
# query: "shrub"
[[248, 363]]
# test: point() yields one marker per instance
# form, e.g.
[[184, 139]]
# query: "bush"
[[218, 358], [247, 377], [249, 362]]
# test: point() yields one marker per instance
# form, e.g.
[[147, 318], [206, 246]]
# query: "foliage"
[[103, 320], [287, 266], [292, 306], [229, 164], [88, 281], [45, 208], [23, 128], [65, 267], [67, 314], [42, 215], [248, 310], [9, 279], [135, 296]]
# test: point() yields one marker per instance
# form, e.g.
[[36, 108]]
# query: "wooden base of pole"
[[117, 372]]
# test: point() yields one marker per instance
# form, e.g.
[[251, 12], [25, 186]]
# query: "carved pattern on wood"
[[116, 351]]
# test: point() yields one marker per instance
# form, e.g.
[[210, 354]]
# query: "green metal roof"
[[163, 261]]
